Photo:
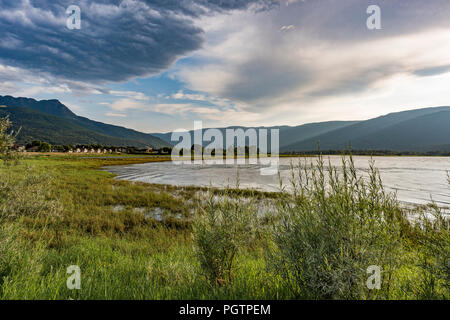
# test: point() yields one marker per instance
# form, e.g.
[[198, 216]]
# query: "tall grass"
[[221, 229], [333, 227], [26, 194], [434, 260], [22, 196]]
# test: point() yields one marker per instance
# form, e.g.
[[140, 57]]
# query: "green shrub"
[[220, 230], [7, 154], [434, 261], [332, 229], [45, 147]]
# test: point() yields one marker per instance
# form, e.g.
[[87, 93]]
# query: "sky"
[[160, 65]]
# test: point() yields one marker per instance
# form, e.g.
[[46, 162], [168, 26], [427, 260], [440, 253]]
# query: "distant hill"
[[288, 134], [420, 130], [51, 121], [415, 130], [53, 107]]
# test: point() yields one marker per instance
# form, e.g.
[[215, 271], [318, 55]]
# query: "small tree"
[[7, 139], [45, 147]]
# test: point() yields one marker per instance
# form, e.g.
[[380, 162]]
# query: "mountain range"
[[419, 130], [53, 122], [288, 135]]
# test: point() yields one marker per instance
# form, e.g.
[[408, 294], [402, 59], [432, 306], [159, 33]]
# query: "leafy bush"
[[45, 147], [332, 229], [435, 260], [7, 154], [221, 228]]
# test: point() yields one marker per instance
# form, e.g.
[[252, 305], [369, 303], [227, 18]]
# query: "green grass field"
[[142, 241]]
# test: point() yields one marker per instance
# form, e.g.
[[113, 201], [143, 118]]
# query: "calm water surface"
[[416, 180]]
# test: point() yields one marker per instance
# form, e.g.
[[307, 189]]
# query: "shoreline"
[[246, 190]]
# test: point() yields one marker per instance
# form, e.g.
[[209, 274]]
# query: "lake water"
[[416, 180]]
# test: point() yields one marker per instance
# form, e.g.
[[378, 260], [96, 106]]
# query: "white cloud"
[[35, 90], [8, 87], [130, 94], [125, 104], [26, 83], [220, 102], [183, 109], [180, 95], [112, 114]]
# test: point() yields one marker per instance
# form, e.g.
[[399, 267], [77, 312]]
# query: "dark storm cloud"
[[200, 7], [274, 77], [118, 40]]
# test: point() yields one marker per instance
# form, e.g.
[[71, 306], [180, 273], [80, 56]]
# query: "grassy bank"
[[141, 241]]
